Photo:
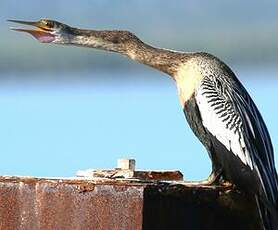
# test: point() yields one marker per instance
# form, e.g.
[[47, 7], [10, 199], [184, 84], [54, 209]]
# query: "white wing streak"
[[220, 118]]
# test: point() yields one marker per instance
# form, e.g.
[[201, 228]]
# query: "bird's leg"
[[213, 179]]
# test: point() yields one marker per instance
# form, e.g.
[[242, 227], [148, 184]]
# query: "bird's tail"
[[268, 214]]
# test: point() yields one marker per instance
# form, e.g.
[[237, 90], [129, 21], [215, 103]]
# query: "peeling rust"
[[30, 203], [159, 175], [107, 204], [127, 173]]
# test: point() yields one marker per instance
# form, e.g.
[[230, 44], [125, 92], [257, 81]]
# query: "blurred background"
[[65, 108]]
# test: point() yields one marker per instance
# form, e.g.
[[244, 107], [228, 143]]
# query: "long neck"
[[128, 44]]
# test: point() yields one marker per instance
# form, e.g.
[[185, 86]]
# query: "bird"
[[216, 105]]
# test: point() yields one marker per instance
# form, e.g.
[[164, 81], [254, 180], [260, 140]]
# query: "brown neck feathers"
[[128, 44]]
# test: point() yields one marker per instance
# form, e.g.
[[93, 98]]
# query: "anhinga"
[[216, 105]]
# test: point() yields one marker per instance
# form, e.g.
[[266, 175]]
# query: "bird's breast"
[[187, 78]]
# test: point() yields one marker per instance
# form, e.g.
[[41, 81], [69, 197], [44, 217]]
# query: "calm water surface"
[[57, 128]]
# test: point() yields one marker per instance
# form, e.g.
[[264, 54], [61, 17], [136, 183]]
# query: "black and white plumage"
[[216, 105], [235, 134], [230, 115]]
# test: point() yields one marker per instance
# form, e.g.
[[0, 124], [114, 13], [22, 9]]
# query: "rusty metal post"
[[29, 203], [108, 204]]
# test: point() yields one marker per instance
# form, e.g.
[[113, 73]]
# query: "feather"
[[236, 122]]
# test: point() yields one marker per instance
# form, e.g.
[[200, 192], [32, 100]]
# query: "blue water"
[[56, 128]]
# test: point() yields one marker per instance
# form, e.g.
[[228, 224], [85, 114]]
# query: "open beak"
[[42, 33]]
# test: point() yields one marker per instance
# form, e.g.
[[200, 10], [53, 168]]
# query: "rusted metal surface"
[[126, 169], [128, 174], [159, 175], [104, 204], [173, 206], [69, 204]]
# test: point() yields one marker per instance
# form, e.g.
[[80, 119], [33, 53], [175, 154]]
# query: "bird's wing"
[[229, 114]]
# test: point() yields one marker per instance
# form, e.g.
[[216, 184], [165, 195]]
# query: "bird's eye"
[[50, 24], [47, 23]]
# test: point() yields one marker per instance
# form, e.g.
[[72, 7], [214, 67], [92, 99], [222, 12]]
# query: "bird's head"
[[46, 31]]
